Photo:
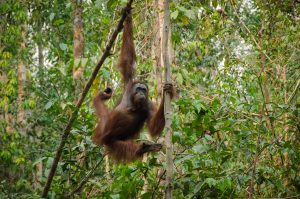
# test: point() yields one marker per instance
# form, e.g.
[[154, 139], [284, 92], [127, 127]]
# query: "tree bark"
[[286, 125], [21, 82], [157, 47], [39, 166], [168, 139], [78, 40]]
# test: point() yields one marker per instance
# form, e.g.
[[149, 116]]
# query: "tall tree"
[[158, 44], [166, 60], [21, 79], [78, 40]]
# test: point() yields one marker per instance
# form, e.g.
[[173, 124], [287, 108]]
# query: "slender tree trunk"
[[78, 58], [265, 81], [158, 7], [265, 92], [158, 44], [255, 161], [21, 82], [156, 51], [168, 139], [286, 126], [41, 56], [78, 40], [39, 166]]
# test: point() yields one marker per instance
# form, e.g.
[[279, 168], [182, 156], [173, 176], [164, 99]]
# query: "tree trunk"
[[265, 91], [21, 83], [286, 125], [157, 47], [39, 166], [41, 56], [168, 139], [78, 40], [78, 58]]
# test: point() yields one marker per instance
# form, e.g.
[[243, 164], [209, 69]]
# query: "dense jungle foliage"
[[235, 120]]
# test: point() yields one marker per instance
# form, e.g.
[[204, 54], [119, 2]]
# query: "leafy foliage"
[[236, 118]]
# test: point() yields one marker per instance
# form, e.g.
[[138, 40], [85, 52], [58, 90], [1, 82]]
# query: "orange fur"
[[127, 59], [117, 128]]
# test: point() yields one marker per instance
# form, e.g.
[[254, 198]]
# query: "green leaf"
[[6, 155], [208, 137], [111, 4], [224, 184], [179, 79], [49, 162], [58, 22], [19, 160], [52, 15], [38, 161], [146, 195], [105, 74], [174, 14], [63, 46], [190, 14], [49, 104], [215, 3], [210, 182], [115, 196]]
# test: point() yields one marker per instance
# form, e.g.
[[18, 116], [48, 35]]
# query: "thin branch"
[[158, 182], [85, 179], [255, 162], [87, 87], [294, 92]]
